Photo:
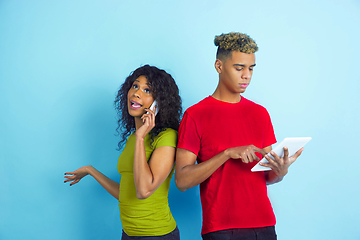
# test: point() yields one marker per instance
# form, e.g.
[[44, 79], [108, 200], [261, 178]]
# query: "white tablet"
[[293, 144]]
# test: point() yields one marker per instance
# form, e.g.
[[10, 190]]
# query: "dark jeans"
[[174, 235], [264, 233]]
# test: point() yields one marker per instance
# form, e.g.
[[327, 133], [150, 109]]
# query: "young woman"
[[146, 164]]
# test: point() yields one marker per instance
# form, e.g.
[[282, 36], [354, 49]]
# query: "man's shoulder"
[[210, 105], [202, 105], [253, 105]]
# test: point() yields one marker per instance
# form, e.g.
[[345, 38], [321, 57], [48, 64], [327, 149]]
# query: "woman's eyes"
[[146, 90], [134, 86]]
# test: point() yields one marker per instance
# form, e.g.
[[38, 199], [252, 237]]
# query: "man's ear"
[[218, 65]]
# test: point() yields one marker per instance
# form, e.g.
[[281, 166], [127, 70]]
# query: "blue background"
[[61, 63]]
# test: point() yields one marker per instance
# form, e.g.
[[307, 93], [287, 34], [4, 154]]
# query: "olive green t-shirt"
[[150, 216]]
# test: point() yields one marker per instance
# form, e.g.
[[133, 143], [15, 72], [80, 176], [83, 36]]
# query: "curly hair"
[[164, 91], [234, 41]]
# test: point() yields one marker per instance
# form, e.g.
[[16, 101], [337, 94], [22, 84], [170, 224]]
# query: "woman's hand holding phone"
[[149, 121]]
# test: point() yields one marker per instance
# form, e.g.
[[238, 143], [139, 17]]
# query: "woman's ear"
[[218, 65]]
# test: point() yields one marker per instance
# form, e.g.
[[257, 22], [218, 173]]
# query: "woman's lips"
[[135, 105], [244, 85]]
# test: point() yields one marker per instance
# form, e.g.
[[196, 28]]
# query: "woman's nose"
[[137, 93]]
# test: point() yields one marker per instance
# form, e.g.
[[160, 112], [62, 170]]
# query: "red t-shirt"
[[233, 196]]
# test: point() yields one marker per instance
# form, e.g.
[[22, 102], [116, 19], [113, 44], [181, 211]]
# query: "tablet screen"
[[293, 144]]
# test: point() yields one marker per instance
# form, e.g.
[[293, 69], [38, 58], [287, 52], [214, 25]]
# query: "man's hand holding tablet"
[[285, 153]]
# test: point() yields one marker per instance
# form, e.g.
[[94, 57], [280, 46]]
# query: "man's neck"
[[226, 96]]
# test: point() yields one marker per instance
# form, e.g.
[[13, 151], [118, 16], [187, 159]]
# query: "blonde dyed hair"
[[234, 41]]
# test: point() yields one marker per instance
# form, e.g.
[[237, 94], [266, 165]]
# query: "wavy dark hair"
[[164, 91]]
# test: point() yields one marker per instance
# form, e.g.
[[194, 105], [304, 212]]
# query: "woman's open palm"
[[75, 176]]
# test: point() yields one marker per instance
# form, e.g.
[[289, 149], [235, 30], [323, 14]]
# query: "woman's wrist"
[[90, 170], [140, 138]]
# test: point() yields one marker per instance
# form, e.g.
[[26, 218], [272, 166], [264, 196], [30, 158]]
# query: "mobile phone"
[[153, 105]]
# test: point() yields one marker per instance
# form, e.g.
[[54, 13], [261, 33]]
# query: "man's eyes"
[[240, 69]]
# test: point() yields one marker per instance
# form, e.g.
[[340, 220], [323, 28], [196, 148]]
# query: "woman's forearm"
[[143, 177], [110, 185]]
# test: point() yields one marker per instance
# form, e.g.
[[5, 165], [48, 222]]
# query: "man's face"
[[235, 73]]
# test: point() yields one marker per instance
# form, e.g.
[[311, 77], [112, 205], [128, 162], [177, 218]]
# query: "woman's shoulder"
[[167, 137], [167, 132]]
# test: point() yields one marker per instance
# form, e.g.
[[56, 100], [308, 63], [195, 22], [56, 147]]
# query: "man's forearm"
[[189, 176]]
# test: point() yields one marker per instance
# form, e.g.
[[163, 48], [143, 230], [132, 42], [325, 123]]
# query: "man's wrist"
[[272, 177], [227, 153]]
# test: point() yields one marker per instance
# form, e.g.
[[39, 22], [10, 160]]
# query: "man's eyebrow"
[[243, 65]]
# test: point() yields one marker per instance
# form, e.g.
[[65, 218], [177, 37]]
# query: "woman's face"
[[139, 97]]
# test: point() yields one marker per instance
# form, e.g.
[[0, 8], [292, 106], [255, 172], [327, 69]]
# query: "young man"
[[227, 134]]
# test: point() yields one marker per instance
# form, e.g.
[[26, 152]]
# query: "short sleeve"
[[168, 137], [268, 133], [189, 138]]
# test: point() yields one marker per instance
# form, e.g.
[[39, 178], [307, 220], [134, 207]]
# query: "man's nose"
[[246, 74]]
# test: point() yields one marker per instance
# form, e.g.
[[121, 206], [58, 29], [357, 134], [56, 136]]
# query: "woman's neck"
[[138, 122]]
